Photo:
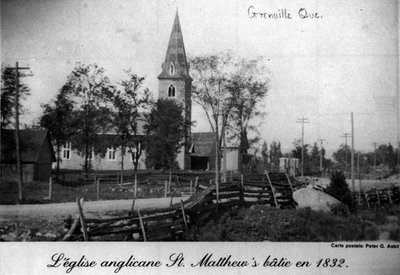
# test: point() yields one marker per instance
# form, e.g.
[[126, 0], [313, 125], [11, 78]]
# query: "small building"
[[289, 166], [202, 151], [37, 155]]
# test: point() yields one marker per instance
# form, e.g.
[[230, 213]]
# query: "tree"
[[210, 79], [339, 189], [264, 152], [8, 92], [342, 157], [129, 102], [315, 158], [248, 86], [275, 154], [91, 90], [58, 118], [165, 129], [296, 152]]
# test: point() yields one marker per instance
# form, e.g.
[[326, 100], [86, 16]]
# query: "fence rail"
[[374, 197], [170, 222]]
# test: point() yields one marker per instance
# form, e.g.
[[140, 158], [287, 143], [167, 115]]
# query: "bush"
[[339, 189], [262, 223]]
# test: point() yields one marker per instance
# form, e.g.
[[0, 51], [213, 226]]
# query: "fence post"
[[82, 218], [242, 189], [196, 183], [133, 205], [165, 189], [142, 226], [290, 183], [184, 216], [366, 199], [272, 190], [72, 229], [191, 187], [135, 186], [390, 198], [98, 189], [377, 196], [50, 187], [217, 190]]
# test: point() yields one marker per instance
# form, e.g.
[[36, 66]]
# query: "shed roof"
[[203, 144], [31, 143]]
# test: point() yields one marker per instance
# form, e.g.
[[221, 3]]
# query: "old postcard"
[[254, 136]]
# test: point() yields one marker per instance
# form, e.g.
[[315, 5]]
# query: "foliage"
[[58, 119], [248, 86], [210, 79], [263, 223], [165, 129], [264, 152], [8, 89], [229, 91], [89, 89], [312, 156], [129, 101], [339, 189], [275, 153], [342, 157]]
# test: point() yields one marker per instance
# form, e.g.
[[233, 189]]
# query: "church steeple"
[[175, 83], [175, 64]]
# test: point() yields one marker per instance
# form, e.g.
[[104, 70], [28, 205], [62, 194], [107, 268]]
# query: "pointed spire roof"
[[176, 54]]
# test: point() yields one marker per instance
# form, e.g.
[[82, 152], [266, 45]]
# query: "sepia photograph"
[[183, 121]]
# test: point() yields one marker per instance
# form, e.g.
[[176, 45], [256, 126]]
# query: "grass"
[[263, 223], [37, 192]]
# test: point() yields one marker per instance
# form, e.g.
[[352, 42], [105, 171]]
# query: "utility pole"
[[345, 136], [352, 152], [375, 143], [17, 134], [321, 140], [398, 134], [358, 165], [302, 121]]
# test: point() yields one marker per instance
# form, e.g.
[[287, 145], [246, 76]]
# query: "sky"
[[346, 60]]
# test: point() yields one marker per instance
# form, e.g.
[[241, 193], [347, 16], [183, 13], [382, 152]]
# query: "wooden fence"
[[374, 197], [274, 189], [148, 224]]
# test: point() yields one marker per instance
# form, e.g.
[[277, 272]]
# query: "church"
[[174, 83]]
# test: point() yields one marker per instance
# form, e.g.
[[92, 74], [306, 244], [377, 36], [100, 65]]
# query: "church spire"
[[175, 64]]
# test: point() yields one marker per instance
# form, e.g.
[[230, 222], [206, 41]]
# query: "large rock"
[[316, 200]]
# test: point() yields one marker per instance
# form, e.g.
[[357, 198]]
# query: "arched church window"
[[171, 91], [171, 69]]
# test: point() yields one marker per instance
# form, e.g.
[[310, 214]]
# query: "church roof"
[[176, 54]]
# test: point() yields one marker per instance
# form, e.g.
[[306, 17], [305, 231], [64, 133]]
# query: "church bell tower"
[[175, 83]]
